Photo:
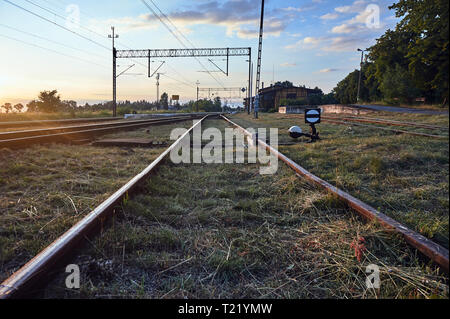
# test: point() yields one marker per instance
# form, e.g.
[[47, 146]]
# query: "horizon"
[[312, 43]]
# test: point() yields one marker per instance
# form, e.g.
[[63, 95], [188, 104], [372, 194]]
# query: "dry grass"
[[225, 231], [405, 177], [44, 190]]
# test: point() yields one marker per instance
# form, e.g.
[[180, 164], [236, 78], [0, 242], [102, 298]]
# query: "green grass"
[[225, 231], [44, 190], [404, 176]]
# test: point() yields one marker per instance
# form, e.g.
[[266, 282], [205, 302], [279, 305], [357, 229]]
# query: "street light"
[[360, 72]]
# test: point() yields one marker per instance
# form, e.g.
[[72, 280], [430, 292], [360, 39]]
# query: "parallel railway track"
[[76, 134], [30, 274], [56, 122], [363, 121]]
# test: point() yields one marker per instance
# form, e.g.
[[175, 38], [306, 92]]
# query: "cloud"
[[308, 42], [356, 6], [328, 70], [239, 17], [329, 16], [288, 65], [330, 44]]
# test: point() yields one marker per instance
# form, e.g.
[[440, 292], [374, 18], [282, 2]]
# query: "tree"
[[217, 104], [32, 106], [19, 107], [428, 52], [49, 101], [165, 101], [346, 91], [397, 84], [7, 107]]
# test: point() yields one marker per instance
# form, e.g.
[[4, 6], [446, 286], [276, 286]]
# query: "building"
[[272, 96]]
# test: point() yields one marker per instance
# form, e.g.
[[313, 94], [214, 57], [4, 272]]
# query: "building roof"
[[280, 87]]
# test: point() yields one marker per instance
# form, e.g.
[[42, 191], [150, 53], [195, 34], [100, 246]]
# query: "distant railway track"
[[363, 121], [29, 275], [15, 124], [76, 134], [385, 122], [345, 122]]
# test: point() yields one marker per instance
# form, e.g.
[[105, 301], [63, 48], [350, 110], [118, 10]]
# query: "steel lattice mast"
[[258, 68]]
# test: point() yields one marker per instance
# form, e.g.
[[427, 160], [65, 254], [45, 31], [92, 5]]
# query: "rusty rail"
[[435, 252], [27, 276], [5, 124], [73, 133], [386, 129], [385, 122]]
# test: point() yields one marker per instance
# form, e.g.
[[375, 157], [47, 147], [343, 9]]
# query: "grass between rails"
[[405, 177], [44, 190], [225, 231]]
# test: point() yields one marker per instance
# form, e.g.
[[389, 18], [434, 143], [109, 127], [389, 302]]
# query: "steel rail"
[[435, 252], [67, 129], [386, 129], [70, 137], [382, 121], [51, 122], [26, 277], [386, 122]]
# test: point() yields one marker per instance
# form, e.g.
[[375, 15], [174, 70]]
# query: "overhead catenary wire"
[[176, 36], [51, 50], [57, 24], [49, 40]]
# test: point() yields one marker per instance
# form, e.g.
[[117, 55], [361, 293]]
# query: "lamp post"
[[360, 73]]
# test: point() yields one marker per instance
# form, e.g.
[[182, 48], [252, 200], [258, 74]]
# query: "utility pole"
[[157, 90], [196, 104], [258, 68], [114, 36], [360, 73]]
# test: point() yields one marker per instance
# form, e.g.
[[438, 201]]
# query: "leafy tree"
[[164, 102], [19, 107], [428, 50], [346, 91], [49, 101], [32, 106], [7, 107], [397, 84], [217, 104]]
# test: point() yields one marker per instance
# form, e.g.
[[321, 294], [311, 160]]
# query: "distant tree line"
[[407, 63], [50, 102]]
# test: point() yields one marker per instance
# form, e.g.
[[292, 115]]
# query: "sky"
[[307, 42]]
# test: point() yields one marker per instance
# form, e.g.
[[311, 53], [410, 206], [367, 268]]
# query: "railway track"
[[363, 121], [31, 273], [80, 133], [56, 122], [385, 122]]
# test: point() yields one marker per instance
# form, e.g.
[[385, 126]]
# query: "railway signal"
[[312, 117]]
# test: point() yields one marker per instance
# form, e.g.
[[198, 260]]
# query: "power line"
[[176, 37], [182, 82], [63, 18], [51, 50], [49, 40], [170, 21], [57, 24]]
